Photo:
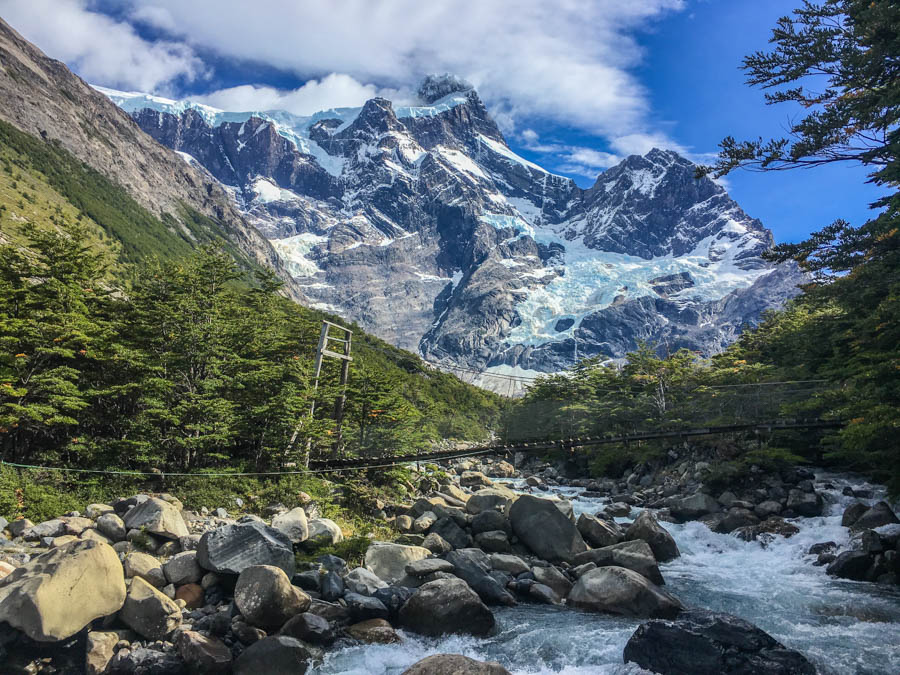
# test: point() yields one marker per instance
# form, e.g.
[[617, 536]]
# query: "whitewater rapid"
[[843, 627]]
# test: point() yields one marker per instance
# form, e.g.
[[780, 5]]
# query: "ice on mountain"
[[436, 87], [294, 251]]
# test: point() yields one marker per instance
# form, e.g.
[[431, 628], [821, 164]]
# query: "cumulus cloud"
[[101, 49], [569, 62], [336, 90]]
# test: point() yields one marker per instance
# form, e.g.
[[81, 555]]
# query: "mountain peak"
[[435, 87]]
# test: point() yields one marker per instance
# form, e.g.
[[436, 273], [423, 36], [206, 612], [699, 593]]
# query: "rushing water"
[[844, 627]]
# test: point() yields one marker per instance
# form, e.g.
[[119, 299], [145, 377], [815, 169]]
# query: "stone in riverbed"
[[853, 565], [203, 654], [234, 548], [701, 642], [646, 528], [388, 561], [426, 566], [852, 513], [450, 532], [436, 544], [99, 650], [474, 567], [542, 527], [878, 515], [616, 590], [454, 664], [512, 564], [266, 598], [58, 593], [364, 607], [552, 577], [275, 655], [309, 627], [112, 526], [489, 521], [156, 517], [394, 597], [635, 555], [373, 630], [148, 612], [493, 542], [446, 606], [597, 532], [694, 506], [490, 499], [808, 504], [182, 568], [362, 581]]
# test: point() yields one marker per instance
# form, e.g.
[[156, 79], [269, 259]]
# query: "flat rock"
[[694, 506], [373, 630], [233, 548], [490, 499], [202, 654], [426, 566], [363, 581], [310, 628]]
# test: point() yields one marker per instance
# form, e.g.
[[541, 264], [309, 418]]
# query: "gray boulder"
[[202, 654], [324, 532], [145, 566], [490, 499], [634, 555], [852, 513], [853, 565], [599, 533], [293, 524], [309, 627], [233, 548], [694, 506], [451, 532], [646, 528], [552, 577], [112, 526], [474, 567], [182, 568], [266, 598], [148, 612], [512, 564], [426, 566], [275, 655], [388, 561], [489, 521], [156, 517], [363, 581], [880, 514], [701, 642], [616, 590], [807, 504], [542, 527], [446, 606]]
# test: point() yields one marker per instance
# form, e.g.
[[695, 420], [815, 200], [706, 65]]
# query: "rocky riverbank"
[[143, 585]]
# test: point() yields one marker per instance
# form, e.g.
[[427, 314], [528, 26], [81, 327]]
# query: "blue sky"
[[576, 85]]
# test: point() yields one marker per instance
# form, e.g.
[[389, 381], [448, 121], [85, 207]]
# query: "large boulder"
[[701, 642], [388, 561], [635, 555], [202, 654], [266, 598], [490, 521], [598, 533], [145, 566], [446, 606], [60, 592], [542, 527], [852, 513], [112, 526], [324, 532], [616, 590], [474, 566], [490, 499], [646, 528], [148, 612], [293, 524], [447, 529], [234, 548], [309, 627], [853, 565], [454, 664], [878, 515], [807, 504], [182, 568], [694, 506], [156, 517], [275, 655]]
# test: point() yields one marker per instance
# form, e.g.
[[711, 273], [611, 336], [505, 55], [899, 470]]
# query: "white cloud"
[[332, 91], [99, 48]]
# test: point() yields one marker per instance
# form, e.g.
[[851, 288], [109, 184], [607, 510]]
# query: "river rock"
[[19, 526], [233, 548], [148, 612], [694, 506], [145, 566], [735, 518], [490, 499], [454, 664], [767, 508], [635, 555], [266, 598], [446, 606], [436, 544], [474, 479], [49, 528], [112, 526], [552, 577], [275, 655], [853, 565], [388, 561], [808, 504], [310, 628], [494, 541], [363, 607], [58, 593], [474, 567], [145, 660], [99, 650], [324, 532], [544, 594], [394, 597], [512, 564], [597, 532], [376, 631], [880, 514], [202, 654], [646, 528], [423, 523], [96, 510], [363, 581], [542, 527], [701, 642], [156, 517], [852, 513], [426, 566], [293, 524], [616, 590], [182, 568]]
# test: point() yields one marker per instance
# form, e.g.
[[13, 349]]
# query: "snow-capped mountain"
[[420, 223]]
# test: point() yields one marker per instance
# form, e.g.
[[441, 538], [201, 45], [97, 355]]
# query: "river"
[[843, 627]]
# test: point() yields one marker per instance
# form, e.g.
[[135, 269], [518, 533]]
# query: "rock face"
[[424, 218], [454, 664], [446, 606], [233, 548], [148, 612], [616, 590], [266, 598], [545, 530], [58, 593], [646, 528], [710, 643], [156, 517]]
